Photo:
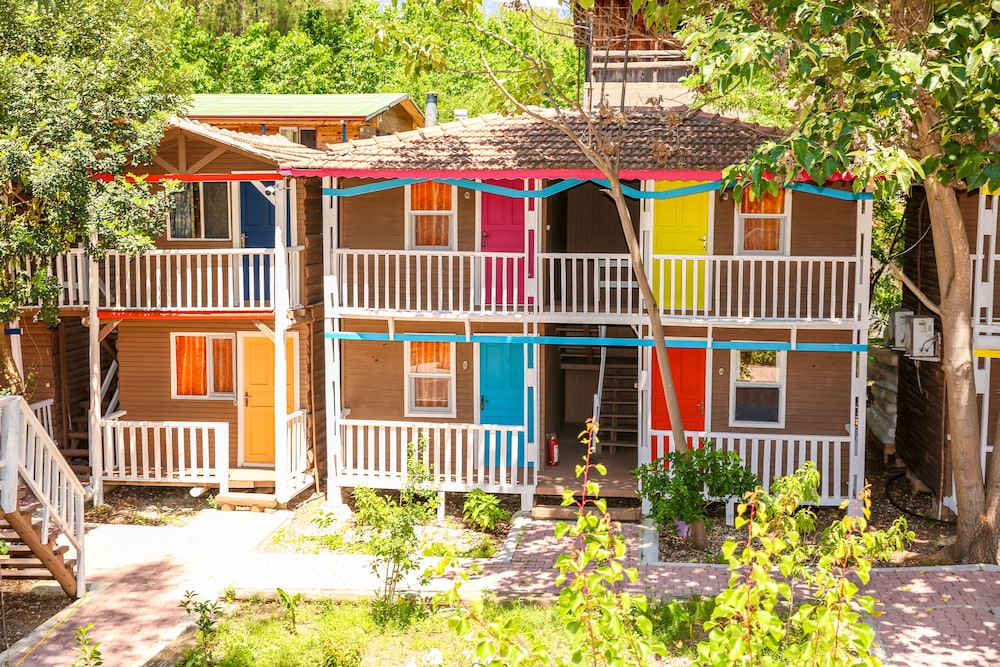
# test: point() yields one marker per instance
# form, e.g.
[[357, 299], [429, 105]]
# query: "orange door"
[[258, 397], [687, 367]]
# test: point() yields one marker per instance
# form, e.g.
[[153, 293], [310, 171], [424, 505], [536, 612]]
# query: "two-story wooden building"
[[478, 290], [200, 355]]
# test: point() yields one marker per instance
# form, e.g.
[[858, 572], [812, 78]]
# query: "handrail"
[[289, 481], [29, 454], [600, 381]]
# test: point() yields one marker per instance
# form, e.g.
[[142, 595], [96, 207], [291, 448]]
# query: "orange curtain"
[[430, 196], [191, 354], [762, 233], [431, 230], [431, 359], [222, 365]]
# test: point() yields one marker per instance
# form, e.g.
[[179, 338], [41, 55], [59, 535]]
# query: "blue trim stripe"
[[569, 183], [599, 341]]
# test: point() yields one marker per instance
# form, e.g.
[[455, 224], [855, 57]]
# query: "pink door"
[[502, 231]]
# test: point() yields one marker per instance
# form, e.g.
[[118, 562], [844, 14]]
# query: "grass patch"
[[344, 634]]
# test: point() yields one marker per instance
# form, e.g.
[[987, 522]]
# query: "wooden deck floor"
[[619, 482]]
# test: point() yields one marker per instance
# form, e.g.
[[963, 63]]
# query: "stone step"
[[256, 502]]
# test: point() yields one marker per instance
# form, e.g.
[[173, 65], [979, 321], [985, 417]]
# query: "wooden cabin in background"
[[922, 434], [315, 121], [479, 297]]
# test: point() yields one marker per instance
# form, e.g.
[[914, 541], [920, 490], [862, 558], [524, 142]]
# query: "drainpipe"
[[431, 112]]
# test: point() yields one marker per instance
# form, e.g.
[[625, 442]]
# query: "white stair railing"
[[600, 379], [289, 482], [30, 457]]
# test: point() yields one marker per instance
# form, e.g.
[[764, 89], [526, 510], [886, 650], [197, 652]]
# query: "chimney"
[[431, 113]]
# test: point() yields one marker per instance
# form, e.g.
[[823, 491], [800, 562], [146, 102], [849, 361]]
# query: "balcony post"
[[331, 322], [94, 336], [279, 292]]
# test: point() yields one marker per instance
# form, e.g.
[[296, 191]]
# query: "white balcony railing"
[[769, 456], [147, 452], [43, 413], [426, 281], [598, 285], [459, 457], [290, 481], [231, 279]]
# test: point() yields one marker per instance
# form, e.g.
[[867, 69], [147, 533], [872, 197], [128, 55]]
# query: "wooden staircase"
[[32, 552], [619, 395], [41, 499]]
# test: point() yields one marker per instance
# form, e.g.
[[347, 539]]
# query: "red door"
[[687, 366], [502, 231]]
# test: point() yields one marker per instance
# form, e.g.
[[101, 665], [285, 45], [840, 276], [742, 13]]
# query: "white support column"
[[94, 335], [15, 348], [10, 433], [859, 360], [282, 459], [331, 323]]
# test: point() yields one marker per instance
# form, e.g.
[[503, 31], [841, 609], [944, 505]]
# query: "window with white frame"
[[757, 390], [300, 135], [762, 223], [431, 216], [430, 379], [200, 211], [202, 365]]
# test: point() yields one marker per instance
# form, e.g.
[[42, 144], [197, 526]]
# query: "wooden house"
[[479, 296], [315, 121], [199, 357], [922, 435]]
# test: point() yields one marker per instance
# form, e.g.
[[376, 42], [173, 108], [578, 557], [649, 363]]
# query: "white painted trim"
[[781, 359], [410, 228], [409, 410], [209, 366], [784, 233], [477, 384]]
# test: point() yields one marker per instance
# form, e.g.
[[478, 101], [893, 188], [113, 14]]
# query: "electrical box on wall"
[[896, 332], [921, 340]]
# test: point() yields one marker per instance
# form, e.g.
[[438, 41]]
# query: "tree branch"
[[894, 269]]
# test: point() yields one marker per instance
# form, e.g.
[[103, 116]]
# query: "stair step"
[[30, 573], [555, 512], [32, 563], [75, 452], [78, 435], [255, 501], [21, 551]]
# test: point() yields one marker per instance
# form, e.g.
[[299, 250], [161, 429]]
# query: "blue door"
[[257, 229], [501, 400]]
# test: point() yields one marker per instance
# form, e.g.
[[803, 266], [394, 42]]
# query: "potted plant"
[[681, 485]]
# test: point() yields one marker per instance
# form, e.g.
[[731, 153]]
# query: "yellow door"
[[258, 397], [680, 227]]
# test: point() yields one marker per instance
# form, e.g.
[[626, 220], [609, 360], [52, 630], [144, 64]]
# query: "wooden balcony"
[[196, 280], [556, 287]]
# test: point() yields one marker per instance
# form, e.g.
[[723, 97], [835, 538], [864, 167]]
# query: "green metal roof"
[[298, 106]]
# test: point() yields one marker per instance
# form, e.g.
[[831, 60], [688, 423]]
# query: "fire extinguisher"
[[553, 458]]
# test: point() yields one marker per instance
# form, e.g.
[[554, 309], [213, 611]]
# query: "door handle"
[[704, 242], [482, 402], [246, 398], [243, 240], [701, 408], [484, 236]]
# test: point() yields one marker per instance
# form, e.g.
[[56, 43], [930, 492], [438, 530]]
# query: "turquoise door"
[[501, 400]]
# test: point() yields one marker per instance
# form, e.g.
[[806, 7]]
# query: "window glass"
[[430, 229], [758, 394], [222, 365], [182, 216], [307, 138], [215, 203], [200, 211], [290, 133], [762, 233], [190, 358], [430, 377]]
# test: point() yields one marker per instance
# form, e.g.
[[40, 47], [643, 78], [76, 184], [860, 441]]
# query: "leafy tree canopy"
[[84, 92], [351, 52]]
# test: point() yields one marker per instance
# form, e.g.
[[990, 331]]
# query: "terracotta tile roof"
[[272, 147], [656, 140]]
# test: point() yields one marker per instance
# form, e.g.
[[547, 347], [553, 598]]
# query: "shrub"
[[482, 511], [679, 486]]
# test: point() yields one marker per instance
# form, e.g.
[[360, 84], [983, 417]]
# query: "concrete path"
[[931, 616]]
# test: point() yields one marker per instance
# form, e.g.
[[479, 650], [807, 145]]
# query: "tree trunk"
[[977, 529], [660, 347], [697, 534], [11, 377]]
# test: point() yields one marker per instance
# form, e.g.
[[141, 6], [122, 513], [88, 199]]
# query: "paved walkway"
[[138, 575]]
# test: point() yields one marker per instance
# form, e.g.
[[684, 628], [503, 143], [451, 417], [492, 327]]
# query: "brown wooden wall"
[[818, 388], [330, 132], [144, 375], [591, 221], [921, 423]]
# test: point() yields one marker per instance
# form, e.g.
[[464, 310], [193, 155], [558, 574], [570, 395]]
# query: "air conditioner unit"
[[896, 332], [921, 341]]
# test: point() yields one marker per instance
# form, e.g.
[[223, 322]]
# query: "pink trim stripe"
[[583, 174]]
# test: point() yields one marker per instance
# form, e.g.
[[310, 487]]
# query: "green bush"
[[482, 511], [680, 485]]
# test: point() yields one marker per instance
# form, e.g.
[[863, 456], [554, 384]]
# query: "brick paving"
[[930, 616]]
